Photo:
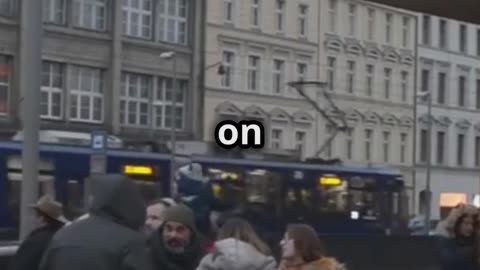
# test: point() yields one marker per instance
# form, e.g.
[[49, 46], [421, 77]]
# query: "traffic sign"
[[99, 141]]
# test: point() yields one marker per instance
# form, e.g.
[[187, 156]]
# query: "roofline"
[[295, 166]]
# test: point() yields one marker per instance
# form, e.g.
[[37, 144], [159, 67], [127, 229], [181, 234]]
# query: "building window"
[[425, 80], [86, 94], [228, 63], [440, 147], [460, 149], [386, 146], [90, 14], [406, 31], [442, 83], [368, 144], [172, 21], [477, 151], [302, 20], [228, 10], [371, 24], [255, 14], [423, 145], [478, 42], [137, 18], [253, 72], [404, 85], [278, 76], [426, 30], [302, 72], [54, 11], [463, 38], [461, 91], [349, 144], [403, 147], [276, 139], [443, 34], [477, 85], [370, 80], [280, 15], [5, 78], [332, 13], [388, 28], [300, 141], [388, 82], [135, 99], [331, 66], [162, 103], [6, 7], [352, 19], [350, 76], [51, 95]]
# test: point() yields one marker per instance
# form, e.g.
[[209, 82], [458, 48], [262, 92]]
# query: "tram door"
[[263, 192], [46, 185]]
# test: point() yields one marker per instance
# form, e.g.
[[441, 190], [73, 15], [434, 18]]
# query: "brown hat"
[[51, 208]]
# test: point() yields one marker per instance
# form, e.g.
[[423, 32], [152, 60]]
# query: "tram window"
[[149, 190], [74, 205], [14, 193], [396, 203], [46, 187], [14, 187], [332, 199]]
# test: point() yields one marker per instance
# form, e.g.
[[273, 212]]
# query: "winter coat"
[[325, 263], [458, 254], [110, 238], [30, 252], [234, 254]]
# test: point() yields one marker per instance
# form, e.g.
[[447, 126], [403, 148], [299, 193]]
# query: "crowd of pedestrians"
[[121, 232]]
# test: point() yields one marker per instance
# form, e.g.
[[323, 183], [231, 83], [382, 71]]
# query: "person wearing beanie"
[[177, 244]]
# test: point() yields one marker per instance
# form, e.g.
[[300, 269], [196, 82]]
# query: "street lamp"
[[173, 132], [427, 95]]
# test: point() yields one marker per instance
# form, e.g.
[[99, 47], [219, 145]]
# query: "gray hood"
[[234, 254], [117, 198]]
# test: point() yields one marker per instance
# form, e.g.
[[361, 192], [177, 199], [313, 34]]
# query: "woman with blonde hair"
[[303, 250], [238, 247]]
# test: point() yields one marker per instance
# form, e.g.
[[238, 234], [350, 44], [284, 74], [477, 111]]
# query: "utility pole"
[[173, 131], [428, 204], [415, 111], [30, 69]]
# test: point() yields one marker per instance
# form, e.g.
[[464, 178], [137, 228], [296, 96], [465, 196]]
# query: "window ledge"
[[6, 20], [157, 45], [77, 32]]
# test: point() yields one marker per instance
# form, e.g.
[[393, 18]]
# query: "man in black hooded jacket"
[[110, 239]]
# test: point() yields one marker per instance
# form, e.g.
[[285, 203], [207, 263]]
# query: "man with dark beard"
[[177, 245]]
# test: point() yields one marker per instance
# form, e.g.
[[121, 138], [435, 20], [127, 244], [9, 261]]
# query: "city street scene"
[[239, 134]]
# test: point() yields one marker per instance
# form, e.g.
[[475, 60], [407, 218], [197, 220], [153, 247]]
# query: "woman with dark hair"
[[238, 247], [458, 244], [303, 250]]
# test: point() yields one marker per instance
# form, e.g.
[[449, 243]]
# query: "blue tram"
[[336, 199]]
